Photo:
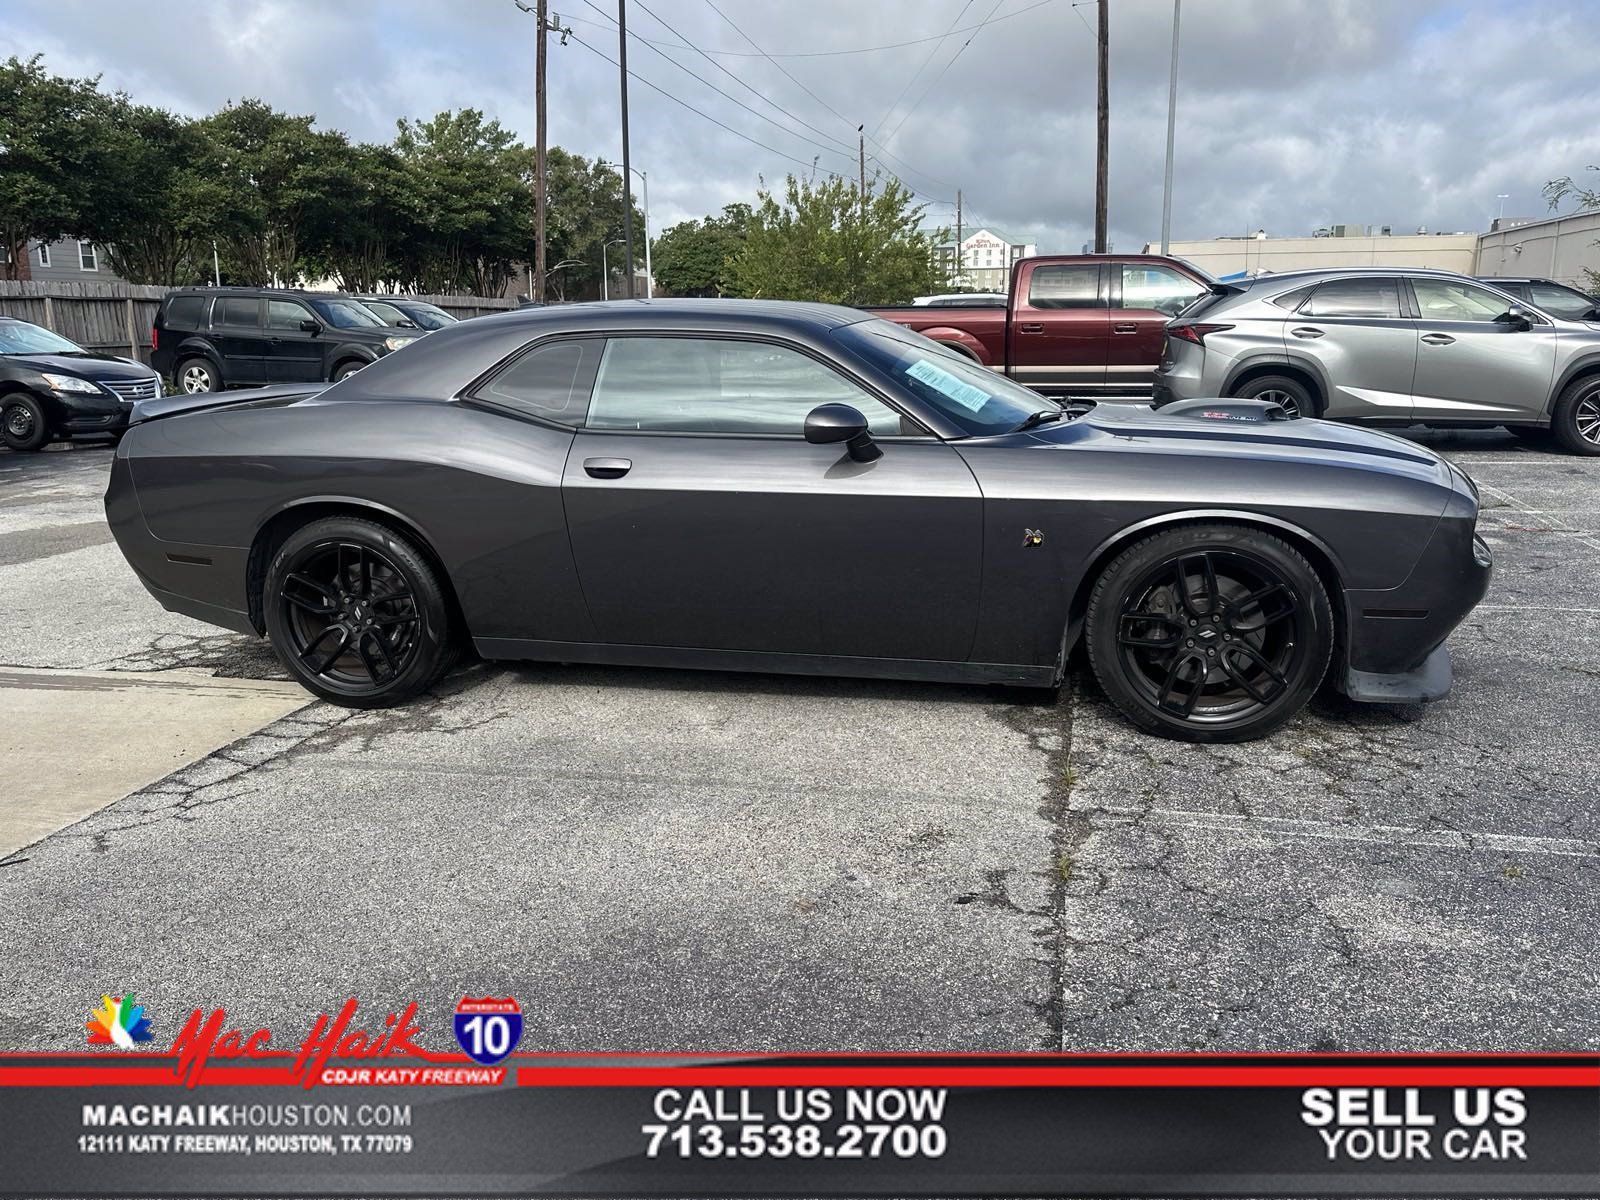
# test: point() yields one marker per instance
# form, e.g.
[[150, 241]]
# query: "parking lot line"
[[1591, 542]]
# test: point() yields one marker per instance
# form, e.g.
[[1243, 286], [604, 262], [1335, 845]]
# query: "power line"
[[921, 67], [922, 41], [700, 113], [941, 74], [726, 95]]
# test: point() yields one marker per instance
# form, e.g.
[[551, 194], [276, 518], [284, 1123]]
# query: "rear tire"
[[1295, 397], [357, 614], [346, 369], [1210, 633], [22, 422], [196, 377], [1576, 420]]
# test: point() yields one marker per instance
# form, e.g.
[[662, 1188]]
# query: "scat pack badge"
[[488, 1029]]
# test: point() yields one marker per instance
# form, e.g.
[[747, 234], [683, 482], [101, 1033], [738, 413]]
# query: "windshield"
[[18, 337], [388, 312], [429, 317], [974, 398], [347, 314], [1562, 301]]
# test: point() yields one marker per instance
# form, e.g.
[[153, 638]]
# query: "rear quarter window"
[[187, 312]]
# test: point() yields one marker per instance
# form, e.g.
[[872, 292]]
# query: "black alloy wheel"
[[357, 614], [1210, 633]]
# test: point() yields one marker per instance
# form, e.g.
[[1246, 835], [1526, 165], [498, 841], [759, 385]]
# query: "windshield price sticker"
[[805, 1123], [969, 397]]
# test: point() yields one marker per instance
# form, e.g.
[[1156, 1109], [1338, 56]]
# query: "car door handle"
[[1306, 331], [607, 468], [1031, 327], [1125, 327], [1437, 339]]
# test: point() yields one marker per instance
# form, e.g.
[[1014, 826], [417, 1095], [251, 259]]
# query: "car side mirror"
[[829, 423], [310, 326], [1517, 317]]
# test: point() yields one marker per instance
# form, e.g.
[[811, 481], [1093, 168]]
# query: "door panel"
[[293, 355], [1144, 297], [1355, 333], [1471, 366], [773, 544], [240, 339], [1059, 327]]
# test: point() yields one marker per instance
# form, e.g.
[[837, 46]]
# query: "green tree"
[[1588, 199], [695, 258], [363, 236], [54, 147], [584, 213], [827, 241]]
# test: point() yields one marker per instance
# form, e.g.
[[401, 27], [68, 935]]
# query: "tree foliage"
[[1588, 199], [828, 241]]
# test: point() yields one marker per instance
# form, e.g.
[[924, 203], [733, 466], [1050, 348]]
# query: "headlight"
[[394, 343], [70, 383]]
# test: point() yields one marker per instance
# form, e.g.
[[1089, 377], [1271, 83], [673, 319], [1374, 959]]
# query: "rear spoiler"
[[271, 397]]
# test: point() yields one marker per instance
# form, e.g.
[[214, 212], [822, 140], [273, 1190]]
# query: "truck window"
[[1065, 286], [1158, 289]]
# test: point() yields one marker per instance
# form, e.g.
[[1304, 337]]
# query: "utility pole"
[[1172, 122], [627, 174], [960, 268], [542, 16], [1102, 133], [861, 149]]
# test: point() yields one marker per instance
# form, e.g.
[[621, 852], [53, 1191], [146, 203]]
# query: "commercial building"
[[1340, 246], [986, 258], [1560, 248]]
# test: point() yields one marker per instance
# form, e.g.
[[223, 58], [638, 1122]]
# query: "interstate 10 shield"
[[488, 1029]]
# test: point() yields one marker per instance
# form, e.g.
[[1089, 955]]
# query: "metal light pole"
[[644, 181], [627, 201], [605, 271], [1502, 197], [1172, 121]]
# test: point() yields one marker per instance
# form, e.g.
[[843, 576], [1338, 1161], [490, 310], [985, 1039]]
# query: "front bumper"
[[79, 413]]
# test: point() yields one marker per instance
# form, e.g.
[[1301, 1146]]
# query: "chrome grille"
[[134, 389]]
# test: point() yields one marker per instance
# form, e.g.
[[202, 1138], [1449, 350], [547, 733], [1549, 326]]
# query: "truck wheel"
[[22, 422], [1294, 397]]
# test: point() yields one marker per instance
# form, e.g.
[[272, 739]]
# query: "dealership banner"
[[364, 1104]]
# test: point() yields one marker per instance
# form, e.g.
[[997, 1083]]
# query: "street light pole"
[[627, 200], [1172, 121], [644, 182], [605, 270]]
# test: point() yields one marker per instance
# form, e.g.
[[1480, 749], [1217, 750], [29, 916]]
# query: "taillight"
[[1195, 333], [154, 340]]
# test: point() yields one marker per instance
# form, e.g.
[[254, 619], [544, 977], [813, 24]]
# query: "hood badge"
[[1032, 537]]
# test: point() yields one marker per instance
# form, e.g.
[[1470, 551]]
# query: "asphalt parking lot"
[[653, 860]]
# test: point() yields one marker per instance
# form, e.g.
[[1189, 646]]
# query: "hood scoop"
[[1253, 411]]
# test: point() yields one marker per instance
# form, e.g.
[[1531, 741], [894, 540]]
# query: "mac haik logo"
[[488, 1029], [206, 1038], [118, 1022]]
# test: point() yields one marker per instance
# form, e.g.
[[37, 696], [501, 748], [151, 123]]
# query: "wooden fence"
[[115, 318]]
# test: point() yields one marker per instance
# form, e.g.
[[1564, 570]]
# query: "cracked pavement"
[[652, 860]]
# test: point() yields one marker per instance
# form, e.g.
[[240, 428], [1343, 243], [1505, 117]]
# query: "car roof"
[[689, 312], [1314, 274]]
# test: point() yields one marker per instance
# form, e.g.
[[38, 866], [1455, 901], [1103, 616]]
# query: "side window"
[[187, 312], [1355, 298], [550, 382], [1065, 286], [712, 385], [1564, 302], [286, 314], [1292, 300], [1449, 300], [240, 310], [1159, 288]]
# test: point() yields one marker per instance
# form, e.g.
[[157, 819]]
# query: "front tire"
[[1210, 633], [357, 614], [1294, 397], [346, 369], [1576, 420], [22, 422]]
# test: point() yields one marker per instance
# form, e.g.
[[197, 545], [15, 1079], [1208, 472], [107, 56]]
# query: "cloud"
[[1292, 113]]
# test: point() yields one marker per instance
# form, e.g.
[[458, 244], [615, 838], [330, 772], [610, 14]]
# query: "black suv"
[[1557, 299], [207, 339]]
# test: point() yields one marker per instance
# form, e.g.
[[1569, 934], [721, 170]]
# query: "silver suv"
[[1393, 347]]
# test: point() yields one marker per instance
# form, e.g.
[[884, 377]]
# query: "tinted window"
[[1563, 302], [187, 312], [1355, 298], [429, 317], [238, 310], [973, 398], [346, 314], [550, 382], [1065, 287], [1292, 300], [1449, 300], [286, 314], [1159, 288], [692, 385], [388, 312]]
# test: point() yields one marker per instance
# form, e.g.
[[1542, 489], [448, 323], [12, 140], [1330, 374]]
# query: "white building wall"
[[1561, 249], [1228, 256]]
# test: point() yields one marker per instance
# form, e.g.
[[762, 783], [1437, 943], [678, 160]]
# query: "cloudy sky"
[[1292, 113]]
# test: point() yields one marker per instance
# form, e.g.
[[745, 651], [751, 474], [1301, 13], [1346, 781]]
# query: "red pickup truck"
[[1081, 323]]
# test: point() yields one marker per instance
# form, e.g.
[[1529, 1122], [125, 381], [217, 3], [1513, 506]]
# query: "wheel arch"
[[297, 514], [1256, 368], [1318, 553], [958, 340], [1584, 368]]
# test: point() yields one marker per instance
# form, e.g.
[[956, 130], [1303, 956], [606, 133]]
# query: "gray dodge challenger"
[[762, 486]]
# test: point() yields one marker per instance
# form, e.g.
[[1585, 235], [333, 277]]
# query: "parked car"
[[208, 339], [1391, 347], [52, 388], [1085, 324], [1557, 299], [407, 310], [767, 486], [962, 300]]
